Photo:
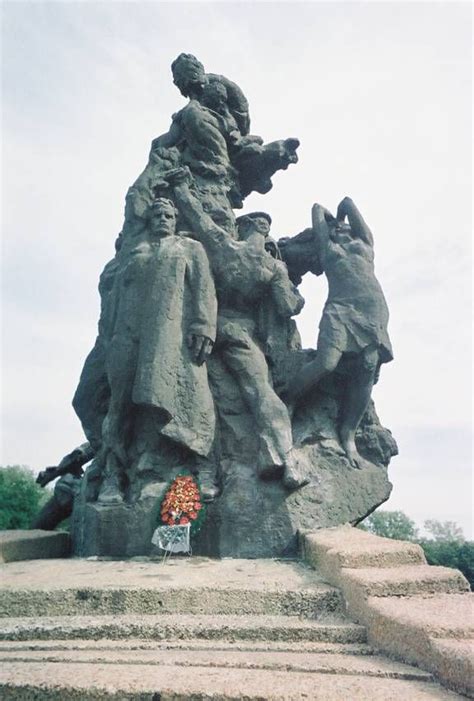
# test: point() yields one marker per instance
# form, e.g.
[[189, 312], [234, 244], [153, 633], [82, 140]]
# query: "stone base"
[[191, 628], [119, 530], [33, 545], [251, 519]]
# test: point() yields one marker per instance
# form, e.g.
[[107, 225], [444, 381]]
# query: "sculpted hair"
[[184, 61], [245, 219], [160, 201]]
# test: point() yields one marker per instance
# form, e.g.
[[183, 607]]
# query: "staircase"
[[191, 628], [413, 612]]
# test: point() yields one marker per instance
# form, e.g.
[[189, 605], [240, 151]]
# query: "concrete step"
[[221, 645], [408, 628], [176, 626], [418, 614], [438, 616], [331, 549], [406, 580], [453, 660], [186, 585], [328, 663], [60, 681]]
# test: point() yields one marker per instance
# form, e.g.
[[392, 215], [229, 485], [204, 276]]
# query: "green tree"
[[446, 546], [446, 531], [451, 554], [391, 524], [20, 497], [466, 561]]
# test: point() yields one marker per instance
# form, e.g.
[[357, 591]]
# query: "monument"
[[198, 366]]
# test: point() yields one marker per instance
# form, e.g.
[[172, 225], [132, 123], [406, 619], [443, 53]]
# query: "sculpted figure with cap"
[[245, 274]]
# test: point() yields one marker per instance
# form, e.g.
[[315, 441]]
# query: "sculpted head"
[[339, 231], [329, 225], [342, 233], [254, 223], [162, 218], [188, 74]]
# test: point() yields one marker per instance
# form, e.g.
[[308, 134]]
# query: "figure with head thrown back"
[[192, 81], [354, 320]]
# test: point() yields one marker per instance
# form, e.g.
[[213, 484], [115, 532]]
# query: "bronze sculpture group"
[[196, 316]]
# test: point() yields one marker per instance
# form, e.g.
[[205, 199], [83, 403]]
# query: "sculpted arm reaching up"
[[199, 221], [359, 228]]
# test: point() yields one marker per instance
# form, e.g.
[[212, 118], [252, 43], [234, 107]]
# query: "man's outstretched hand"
[[200, 347]]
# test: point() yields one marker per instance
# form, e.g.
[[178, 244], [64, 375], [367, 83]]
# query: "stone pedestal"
[[257, 519], [251, 519], [119, 530]]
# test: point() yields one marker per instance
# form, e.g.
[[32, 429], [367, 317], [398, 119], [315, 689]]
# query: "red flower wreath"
[[182, 502]]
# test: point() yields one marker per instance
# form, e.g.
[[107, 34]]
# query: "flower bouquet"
[[181, 515]]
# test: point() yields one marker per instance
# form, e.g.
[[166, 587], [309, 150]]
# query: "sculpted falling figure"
[[355, 316]]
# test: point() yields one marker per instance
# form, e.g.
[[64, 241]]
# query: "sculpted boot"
[[209, 487], [293, 477], [110, 492]]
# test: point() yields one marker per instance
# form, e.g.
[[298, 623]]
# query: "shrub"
[[20, 497]]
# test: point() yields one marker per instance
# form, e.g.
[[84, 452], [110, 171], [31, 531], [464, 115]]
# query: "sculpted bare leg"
[[356, 400], [326, 361]]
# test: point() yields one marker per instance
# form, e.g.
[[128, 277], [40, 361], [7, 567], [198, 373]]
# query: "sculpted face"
[[342, 233], [261, 226], [223, 219], [163, 219], [253, 225]]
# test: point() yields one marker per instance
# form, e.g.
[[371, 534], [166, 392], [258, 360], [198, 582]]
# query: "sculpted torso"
[[349, 268]]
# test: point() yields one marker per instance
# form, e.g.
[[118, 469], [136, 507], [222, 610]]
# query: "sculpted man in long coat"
[[160, 327]]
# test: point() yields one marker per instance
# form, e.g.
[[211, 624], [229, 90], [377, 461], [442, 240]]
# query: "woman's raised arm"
[[348, 209]]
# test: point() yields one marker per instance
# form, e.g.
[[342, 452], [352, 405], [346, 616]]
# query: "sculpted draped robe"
[[179, 300], [157, 294]]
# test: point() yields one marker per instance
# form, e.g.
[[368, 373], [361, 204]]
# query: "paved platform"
[[142, 573], [181, 585]]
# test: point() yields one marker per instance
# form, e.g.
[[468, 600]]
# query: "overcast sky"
[[379, 95]]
